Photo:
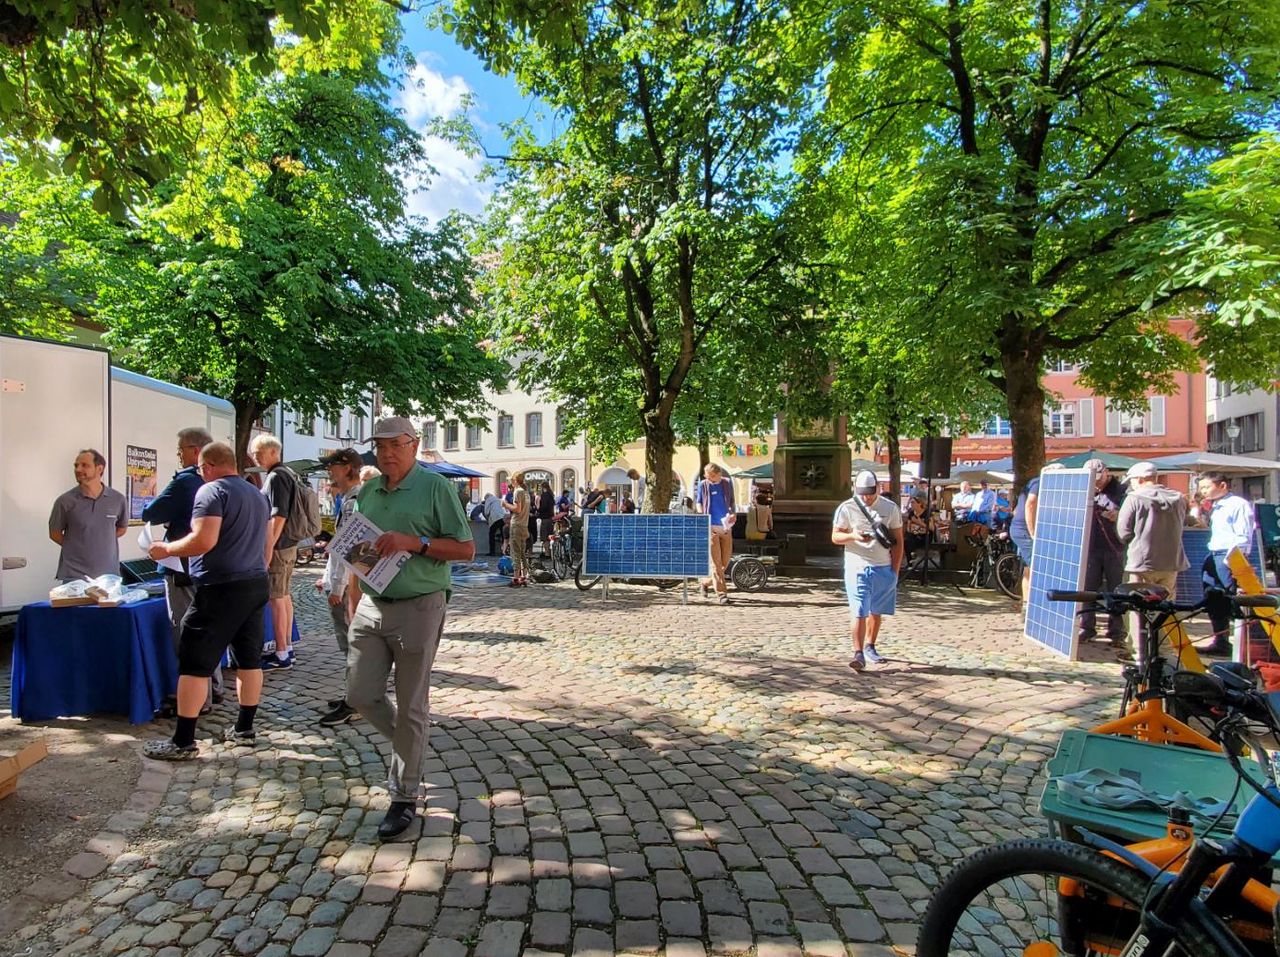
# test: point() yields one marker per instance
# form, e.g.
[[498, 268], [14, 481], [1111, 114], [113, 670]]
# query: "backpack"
[[304, 511]]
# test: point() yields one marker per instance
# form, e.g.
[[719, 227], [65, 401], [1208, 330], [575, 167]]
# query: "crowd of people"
[[236, 541], [1136, 537]]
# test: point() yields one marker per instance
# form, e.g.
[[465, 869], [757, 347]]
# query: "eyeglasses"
[[381, 444]]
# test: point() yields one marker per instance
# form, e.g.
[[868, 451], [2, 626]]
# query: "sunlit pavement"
[[632, 775]]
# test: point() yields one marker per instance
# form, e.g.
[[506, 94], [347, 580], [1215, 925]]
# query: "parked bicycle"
[[1043, 898], [565, 546], [996, 563]]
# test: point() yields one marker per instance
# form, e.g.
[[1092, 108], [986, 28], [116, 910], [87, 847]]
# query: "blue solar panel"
[[1064, 516], [1195, 542], [647, 546]]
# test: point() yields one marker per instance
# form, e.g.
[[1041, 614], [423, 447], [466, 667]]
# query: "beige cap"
[[392, 428]]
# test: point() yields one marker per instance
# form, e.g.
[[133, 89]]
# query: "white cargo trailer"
[[56, 399]]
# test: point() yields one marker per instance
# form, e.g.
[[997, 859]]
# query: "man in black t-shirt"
[[279, 486]]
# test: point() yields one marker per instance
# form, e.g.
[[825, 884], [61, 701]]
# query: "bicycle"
[[991, 548], [1042, 898], [565, 547]]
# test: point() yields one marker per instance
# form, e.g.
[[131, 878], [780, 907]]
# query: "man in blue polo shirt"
[[172, 509]]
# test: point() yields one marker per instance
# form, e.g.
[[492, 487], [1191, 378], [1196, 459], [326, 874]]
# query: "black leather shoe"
[[399, 816], [1219, 649]]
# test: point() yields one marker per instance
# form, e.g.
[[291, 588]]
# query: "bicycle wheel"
[[1041, 897], [583, 582], [1008, 575], [559, 560], [749, 574]]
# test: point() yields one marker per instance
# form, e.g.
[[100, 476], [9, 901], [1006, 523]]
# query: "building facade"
[[1246, 423], [521, 432]]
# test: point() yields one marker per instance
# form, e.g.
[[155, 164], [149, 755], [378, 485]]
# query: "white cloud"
[[430, 95]]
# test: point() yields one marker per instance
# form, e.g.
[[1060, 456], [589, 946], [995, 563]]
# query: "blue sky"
[[436, 87]]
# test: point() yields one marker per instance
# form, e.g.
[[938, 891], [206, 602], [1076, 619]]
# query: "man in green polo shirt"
[[418, 512]]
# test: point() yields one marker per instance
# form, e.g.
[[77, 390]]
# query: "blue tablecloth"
[[89, 660]]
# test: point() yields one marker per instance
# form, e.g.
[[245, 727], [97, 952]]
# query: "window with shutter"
[[1155, 418], [1084, 419], [1113, 420]]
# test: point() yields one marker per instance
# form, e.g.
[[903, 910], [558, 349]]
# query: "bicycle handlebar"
[[1139, 600]]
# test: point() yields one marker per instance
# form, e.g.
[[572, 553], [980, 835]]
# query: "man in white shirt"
[[1231, 525], [344, 468], [984, 504], [870, 530], [962, 502]]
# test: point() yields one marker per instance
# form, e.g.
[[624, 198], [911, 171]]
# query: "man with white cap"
[[870, 529], [1150, 523], [418, 512]]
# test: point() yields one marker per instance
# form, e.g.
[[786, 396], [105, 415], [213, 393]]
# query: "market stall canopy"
[[303, 466], [1113, 462], [759, 473], [450, 470], [996, 466], [1215, 462], [975, 475]]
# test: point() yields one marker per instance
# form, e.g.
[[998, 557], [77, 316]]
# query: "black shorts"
[[222, 616]]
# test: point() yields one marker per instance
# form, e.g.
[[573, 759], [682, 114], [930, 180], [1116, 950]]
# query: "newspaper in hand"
[[354, 545]]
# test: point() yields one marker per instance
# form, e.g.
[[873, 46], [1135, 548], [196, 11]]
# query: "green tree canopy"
[[126, 87], [644, 245], [1058, 144], [307, 283]]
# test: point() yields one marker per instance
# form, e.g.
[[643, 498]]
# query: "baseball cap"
[[866, 482], [1096, 466], [343, 457], [392, 427], [1141, 470]]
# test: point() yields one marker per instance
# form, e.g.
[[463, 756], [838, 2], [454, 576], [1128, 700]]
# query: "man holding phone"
[[870, 530]]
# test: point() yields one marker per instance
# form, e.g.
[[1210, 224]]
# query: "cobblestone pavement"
[[630, 776]]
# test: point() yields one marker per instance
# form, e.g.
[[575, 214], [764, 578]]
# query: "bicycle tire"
[[949, 929], [1008, 575], [749, 574], [559, 560], [584, 582]]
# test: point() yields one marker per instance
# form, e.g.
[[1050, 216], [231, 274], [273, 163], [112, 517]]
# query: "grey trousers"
[[404, 633], [177, 599], [338, 614]]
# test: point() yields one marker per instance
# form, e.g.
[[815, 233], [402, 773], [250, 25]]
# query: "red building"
[[1077, 420]]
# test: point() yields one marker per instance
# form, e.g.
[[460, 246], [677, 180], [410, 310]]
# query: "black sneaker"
[[240, 739], [166, 750], [340, 714], [334, 702], [1219, 649], [275, 664], [399, 816]]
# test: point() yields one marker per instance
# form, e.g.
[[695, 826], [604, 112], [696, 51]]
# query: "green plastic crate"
[[1163, 768]]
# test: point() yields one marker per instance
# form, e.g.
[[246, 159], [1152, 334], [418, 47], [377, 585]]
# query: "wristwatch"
[[426, 543]]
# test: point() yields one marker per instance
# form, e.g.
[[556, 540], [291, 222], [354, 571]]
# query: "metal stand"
[[684, 591]]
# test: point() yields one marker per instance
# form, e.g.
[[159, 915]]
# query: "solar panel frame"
[[1195, 542], [647, 546], [1064, 521]]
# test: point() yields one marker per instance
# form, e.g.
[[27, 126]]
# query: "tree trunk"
[[1025, 398], [247, 412], [659, 451], [704, 451], [895, 460]]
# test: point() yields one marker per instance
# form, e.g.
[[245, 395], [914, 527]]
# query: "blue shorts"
[[871, 590]]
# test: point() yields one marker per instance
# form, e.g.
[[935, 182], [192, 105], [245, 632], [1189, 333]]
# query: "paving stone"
[[508, 901], [636, 898], [592, 943], [858, 923], [500, 938], [416, 910], [554, 894], [401, 942], [637, 936], [769, 918], [365, 923], [314, 942], [682, 918], [592, 906], [549, 929], [445, 948]]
